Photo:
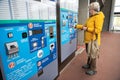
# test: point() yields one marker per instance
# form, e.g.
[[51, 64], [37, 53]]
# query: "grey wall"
[[83, 15], [112, 15], [107, 12]]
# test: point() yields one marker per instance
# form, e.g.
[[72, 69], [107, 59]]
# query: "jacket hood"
[[101, 14]]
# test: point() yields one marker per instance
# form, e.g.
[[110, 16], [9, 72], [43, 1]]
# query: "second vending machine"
[[67, 18]]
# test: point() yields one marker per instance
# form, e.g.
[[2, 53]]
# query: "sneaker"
[[91, 72], [86, 66]]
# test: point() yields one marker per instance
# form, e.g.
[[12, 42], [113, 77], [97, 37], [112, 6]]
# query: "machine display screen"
[[37, 31]]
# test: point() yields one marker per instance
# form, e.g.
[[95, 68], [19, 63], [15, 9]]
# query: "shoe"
[[86, 66], [91, 72]]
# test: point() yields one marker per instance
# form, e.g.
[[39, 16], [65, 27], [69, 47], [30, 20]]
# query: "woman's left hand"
[[84, 28]]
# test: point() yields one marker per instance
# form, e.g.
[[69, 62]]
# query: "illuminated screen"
[[37, 31]]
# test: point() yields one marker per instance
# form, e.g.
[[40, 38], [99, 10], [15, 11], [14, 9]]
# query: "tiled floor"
[[108, 65]]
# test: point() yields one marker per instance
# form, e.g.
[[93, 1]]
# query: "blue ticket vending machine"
[[28, 50], [68, 20]]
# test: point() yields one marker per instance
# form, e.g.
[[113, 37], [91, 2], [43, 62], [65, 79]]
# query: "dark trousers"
[[91, 62]]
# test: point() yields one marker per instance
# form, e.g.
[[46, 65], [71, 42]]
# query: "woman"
[[92, 27]]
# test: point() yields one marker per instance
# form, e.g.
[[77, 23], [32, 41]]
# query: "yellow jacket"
[[93, 24]]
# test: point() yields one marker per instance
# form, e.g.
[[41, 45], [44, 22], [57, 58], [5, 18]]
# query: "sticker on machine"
[[40, 53], [11, 65], [30, 25]]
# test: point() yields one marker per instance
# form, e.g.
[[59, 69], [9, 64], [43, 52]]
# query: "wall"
[[107, 12], [112, 15], [83, 15]]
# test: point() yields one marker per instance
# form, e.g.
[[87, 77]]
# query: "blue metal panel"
[[26, 48], [68, 20]]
